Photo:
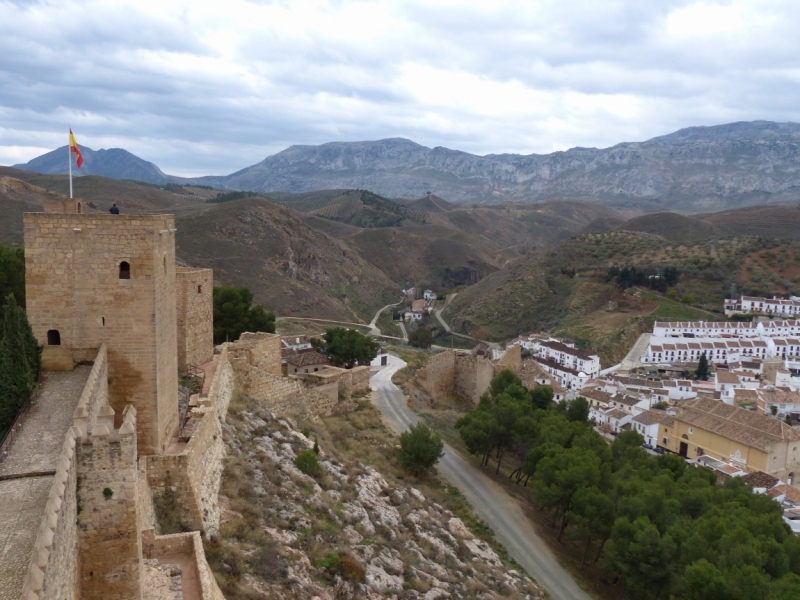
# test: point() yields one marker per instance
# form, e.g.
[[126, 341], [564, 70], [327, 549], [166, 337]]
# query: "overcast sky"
[[209, 87]]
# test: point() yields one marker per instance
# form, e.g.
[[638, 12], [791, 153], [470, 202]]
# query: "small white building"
[[429, 295], [381, 360], [568, 356], [646, 424], [414, 315]]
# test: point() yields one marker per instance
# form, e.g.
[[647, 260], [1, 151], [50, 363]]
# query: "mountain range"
[[695, 169]]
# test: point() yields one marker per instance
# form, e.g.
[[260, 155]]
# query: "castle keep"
[[105, 433]]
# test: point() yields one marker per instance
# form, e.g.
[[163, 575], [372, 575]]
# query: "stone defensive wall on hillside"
[[256, 358], [192, 469], [453, 373], [89, 542]]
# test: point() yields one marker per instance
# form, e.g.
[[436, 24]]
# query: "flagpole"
[[69, 160]]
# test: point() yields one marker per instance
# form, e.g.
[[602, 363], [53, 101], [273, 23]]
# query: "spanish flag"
[[73, 147]]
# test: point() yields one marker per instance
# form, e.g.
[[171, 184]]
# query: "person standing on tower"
[[114, 210]]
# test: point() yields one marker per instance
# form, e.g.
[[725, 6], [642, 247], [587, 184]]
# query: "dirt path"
[[500, 511], [372, 324], [448, 329]]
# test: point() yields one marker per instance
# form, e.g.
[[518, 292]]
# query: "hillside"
[[770, 221], [697, 169], [567, 287], [22, 191], [292, 269]]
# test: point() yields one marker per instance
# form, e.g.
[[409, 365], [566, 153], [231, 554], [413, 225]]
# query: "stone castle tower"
[[95, 279]]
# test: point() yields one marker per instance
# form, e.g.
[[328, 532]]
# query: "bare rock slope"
[[346, 533]]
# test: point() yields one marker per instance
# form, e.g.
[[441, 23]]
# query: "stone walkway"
[[35, 450]]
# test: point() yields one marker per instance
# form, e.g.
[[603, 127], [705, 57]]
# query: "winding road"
[[449, 330], [500, 511]]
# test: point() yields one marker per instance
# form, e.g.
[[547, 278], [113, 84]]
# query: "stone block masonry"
[[451, 373], [194, 475], [195, 297], [437, 376], [110, 546], [94, 279]]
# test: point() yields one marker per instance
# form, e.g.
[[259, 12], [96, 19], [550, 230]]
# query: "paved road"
[[633, 359], [499, 510]]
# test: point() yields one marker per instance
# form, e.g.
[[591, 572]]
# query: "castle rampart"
[[109, 537]]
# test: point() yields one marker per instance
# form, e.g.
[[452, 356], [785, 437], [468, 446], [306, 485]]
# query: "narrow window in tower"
[[124, 270], [199, 289]]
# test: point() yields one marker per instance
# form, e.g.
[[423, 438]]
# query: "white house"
[[414, 315], [568, 356], [429, 295], [646, 423], [381, 360], [775, 306]]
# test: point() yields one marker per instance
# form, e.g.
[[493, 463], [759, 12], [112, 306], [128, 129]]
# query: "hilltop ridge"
[[696, 169]]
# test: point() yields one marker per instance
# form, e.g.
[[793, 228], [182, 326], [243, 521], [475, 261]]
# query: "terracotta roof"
[[743, 426], [649, 417], [760, 479], [778, 396], [616, 414], [304, 359], [793, 493], [727, 377]]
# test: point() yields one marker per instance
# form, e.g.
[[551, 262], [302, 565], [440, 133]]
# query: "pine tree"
[[16, 376]]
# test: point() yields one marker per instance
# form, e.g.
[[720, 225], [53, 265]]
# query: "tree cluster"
[[346, 347], [654, 525], [12, 276], [504, 420], [235, 313], [19, 362], [653, 278]]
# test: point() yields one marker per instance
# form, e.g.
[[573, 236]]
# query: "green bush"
[[307, 462], [420, 449]]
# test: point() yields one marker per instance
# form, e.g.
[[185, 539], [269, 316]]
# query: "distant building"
[[306, 362], [413, 315], [731, 434], [429, 295], [753, 305]]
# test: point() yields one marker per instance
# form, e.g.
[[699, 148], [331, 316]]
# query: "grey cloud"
[[150, 81]]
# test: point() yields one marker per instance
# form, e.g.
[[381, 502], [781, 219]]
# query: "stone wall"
[[52, 573], [94, 399], [262, 350], [73, 286], [472, 376], [290, 396], [451, 373], [157, 546], [436, 377], [109, 539], [194, 475], [195, 315]]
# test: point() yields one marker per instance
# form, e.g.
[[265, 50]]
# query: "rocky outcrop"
[[346, 533]]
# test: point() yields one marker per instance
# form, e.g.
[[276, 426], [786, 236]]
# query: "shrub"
[[420, 449], [307, 462]]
